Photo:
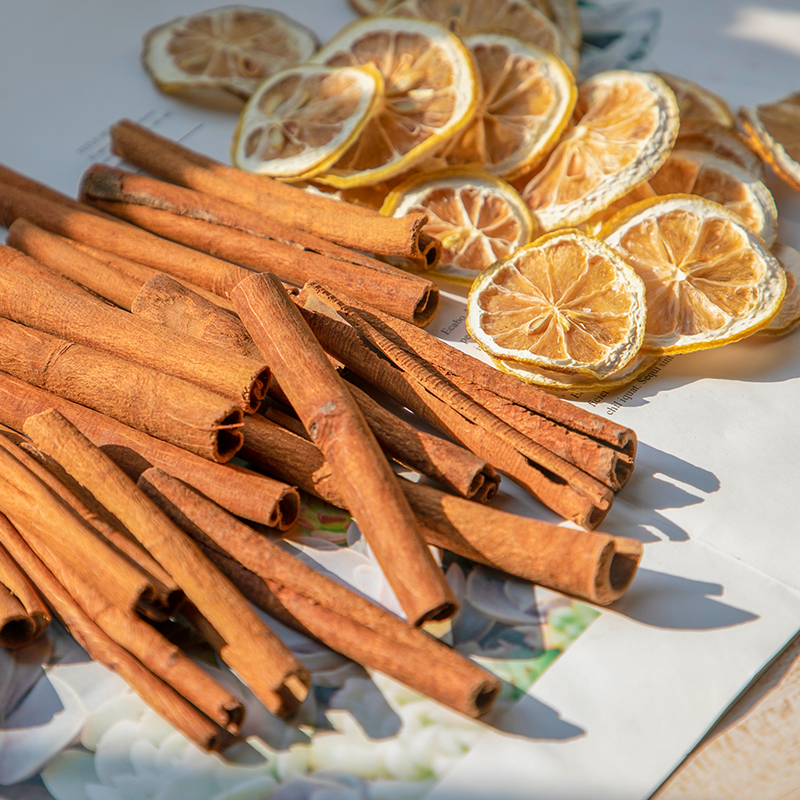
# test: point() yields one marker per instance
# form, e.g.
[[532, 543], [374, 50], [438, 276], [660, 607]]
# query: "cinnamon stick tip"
[[19, 632], [616, 569]]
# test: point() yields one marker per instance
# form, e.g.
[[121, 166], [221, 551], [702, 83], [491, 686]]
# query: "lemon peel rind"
[[770, 150], [616, 358], [172, 80], [719, 110], [464, 72], [773, 285], [647, 162], [402, 199], [788, 316], [371, 83]]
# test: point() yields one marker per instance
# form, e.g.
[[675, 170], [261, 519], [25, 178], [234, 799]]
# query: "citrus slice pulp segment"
[[723, 182], [232, 48], [527, 98], [696, 103], [626, 125], [562, 382], [478, 218], [724, 142], [710, 280], [519, 18], [299, 121], [566, 302], [788, 316], [773, 130], [430, 93]]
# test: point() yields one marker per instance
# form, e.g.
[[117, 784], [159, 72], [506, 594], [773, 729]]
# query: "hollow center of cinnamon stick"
[[17, 632]]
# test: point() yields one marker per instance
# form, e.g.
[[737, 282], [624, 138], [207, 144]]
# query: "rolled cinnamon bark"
[[168, 408], [343, 223], [164, 700], [590, 565], [234, 234], [252, 650], [114, 331], [333, 420], [27, 501], [56, 253], [168, 596], [160, 656], [327, 610], [240, 491], [23, 614]]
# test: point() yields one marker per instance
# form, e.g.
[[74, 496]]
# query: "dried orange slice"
[[724, 142], [626, 124], [519, 18], [712, 177], [478, 218], [696, 103], [566, 303], [301, 120], [232, 48], [788, 317], [561, 382], [773, 131], [710, 280], [431, 93], [526, 102]]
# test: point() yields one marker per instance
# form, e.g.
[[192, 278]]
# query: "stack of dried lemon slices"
[[600, 225]]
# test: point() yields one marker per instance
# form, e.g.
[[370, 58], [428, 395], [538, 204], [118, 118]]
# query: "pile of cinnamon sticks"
[[155, 329]]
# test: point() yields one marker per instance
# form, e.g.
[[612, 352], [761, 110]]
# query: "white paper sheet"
[[718, 593]]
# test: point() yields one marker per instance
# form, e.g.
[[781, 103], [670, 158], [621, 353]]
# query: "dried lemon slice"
[[527, 99], [431, 92], [696, 103], [717, 179], [788, 317], [724, 142], [626, 125], [710, 280], [232, 48], [773, 131], [561, 382], [566, 303], [518, 18], [478, 218], [300, 121]]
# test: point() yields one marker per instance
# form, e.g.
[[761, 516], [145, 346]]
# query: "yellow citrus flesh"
[[724, 142], [519, 18], [788, 317], [232, 48], [626, 125], [299, 121], [561, 382], [714, 178], [697, 103], [527, 98], [566, 303], [710, 280], [431, 92], [478, 218], [773, 131]]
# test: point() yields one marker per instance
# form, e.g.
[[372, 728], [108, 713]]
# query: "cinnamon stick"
[[556, 483], [243, 237], [23, 614], [114, 331], [343, 223], [327, 610], [168, 596], [252, 650], [168, 408], [587, 564], [335, 423], [160, 656], [240, 491], [164, 700], [27, 501]]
